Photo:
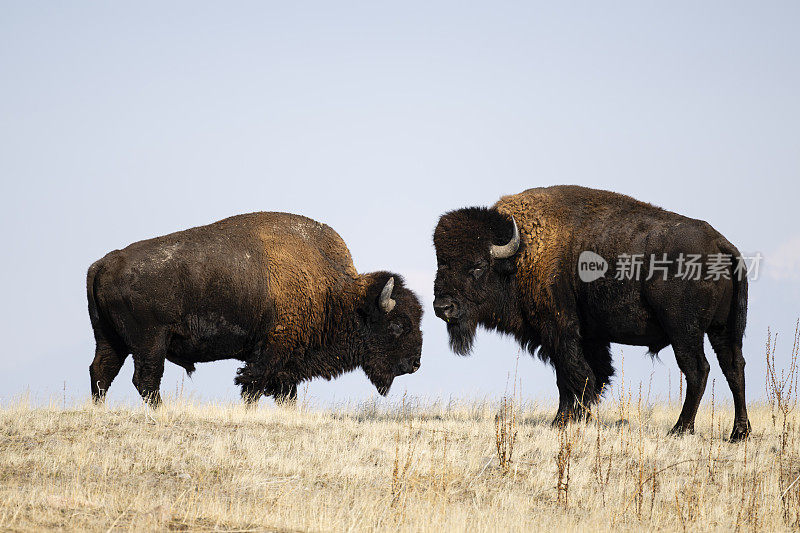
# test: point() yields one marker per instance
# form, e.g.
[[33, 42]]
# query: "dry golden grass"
[[416, 466]]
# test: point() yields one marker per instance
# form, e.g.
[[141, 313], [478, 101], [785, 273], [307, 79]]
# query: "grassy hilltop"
[[418, 466]]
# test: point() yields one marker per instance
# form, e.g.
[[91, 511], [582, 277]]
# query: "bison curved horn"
[[385, 299], [507, 250]]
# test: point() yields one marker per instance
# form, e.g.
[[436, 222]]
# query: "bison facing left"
[[274, 290]]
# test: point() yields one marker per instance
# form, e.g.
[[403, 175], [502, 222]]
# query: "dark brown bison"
[[514, 268], [275, 290]]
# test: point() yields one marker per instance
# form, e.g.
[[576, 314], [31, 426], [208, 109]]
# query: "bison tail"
[[102, 326], [737, 318], [94, 312]]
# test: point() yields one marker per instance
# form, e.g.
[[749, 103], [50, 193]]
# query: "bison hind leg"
[[729, 355], [109, 357], [692, 362]]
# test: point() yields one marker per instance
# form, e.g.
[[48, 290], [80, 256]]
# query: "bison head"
[[391, 315], [475, 256]]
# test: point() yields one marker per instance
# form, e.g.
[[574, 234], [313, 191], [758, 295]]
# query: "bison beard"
[[513, 268], [274, 290], [381, 380], [462, 335]]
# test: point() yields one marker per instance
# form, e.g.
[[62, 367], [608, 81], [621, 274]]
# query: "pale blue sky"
[[124, 120]]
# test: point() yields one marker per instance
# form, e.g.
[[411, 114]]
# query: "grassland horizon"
[[416, 465]]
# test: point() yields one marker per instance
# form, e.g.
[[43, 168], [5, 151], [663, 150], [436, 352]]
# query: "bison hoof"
[[250, 403], [251, 399], [682, 429], [562, 419], [152, 399], [565, 417], [286, 402], [740, 432]]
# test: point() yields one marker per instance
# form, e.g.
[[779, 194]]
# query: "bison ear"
[[505, 267]]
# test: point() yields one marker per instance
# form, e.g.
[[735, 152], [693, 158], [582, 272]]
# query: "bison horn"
[[385, 299], [509, 249]]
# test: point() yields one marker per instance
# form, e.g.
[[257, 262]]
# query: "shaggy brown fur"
[[275, 290], [537, 296]]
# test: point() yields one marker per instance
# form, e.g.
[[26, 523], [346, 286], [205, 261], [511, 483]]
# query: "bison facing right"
[[276, 291]]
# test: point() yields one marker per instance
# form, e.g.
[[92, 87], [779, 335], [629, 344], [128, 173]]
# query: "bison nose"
[[408, 367], [445, 308]]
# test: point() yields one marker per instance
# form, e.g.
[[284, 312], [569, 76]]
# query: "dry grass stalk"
[[564, 462], [782, 396], [505, 433]]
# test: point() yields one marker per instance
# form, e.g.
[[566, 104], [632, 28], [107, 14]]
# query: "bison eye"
[[395, 329], [477, 272]]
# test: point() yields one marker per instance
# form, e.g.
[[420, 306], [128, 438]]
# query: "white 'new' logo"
[[591, 266]]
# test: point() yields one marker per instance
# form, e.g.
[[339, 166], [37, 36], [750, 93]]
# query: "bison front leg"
[[147, 373], [251, 378], [265, 373], [148, 367], [251, 393], [286, 394], [576, 383]]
